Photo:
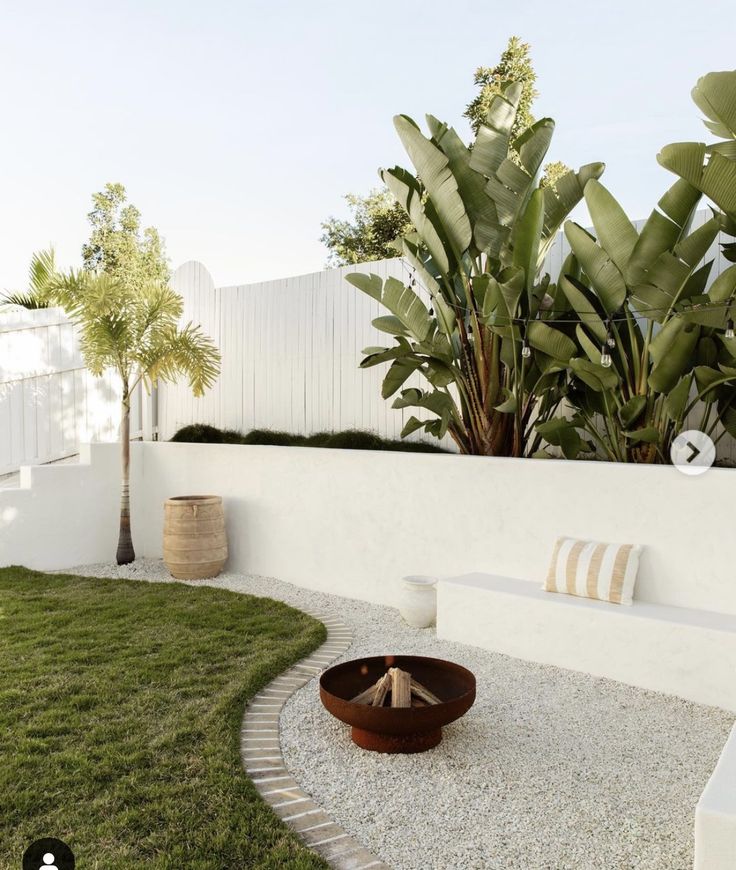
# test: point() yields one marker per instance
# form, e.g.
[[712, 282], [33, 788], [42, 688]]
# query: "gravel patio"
[[549, 769]]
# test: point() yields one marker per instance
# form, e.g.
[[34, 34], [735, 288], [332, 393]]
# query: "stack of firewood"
[[397, 688]]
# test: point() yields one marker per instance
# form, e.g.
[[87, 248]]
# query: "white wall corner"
[[715, 814]]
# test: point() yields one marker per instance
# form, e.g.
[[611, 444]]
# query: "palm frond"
[[158, 307], [174, 352], [22, 300], [40, 272]]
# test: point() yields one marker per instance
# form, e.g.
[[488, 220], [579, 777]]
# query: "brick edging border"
[[260, 751]]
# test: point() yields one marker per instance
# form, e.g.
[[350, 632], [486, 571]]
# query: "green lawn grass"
[[120, 710]]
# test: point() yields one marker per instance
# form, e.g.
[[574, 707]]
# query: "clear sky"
[[237, 126]]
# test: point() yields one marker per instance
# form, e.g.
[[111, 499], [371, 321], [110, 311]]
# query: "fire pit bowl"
[[397, 729]]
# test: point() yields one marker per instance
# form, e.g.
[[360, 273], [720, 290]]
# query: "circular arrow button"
[[693, 452]]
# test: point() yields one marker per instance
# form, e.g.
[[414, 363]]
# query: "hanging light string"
[[609, 319]]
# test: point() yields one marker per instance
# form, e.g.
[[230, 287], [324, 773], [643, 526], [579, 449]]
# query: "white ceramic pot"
[[418, 600]]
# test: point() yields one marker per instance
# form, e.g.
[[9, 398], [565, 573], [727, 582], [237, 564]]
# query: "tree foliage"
[[651, 343], [132, 326], [134, 330], [514, 65], [490, 354], [377, 220], [118, 247]]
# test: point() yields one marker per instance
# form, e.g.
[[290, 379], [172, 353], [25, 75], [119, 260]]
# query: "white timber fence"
[[49, 402], [290, 348], [291, 351]]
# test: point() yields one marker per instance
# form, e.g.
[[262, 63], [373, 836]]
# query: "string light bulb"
[[526, 351], [729, 328], [605, 357], [610, 340]]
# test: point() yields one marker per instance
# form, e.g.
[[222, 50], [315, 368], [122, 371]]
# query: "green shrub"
[[349, 439], [318, 439], [272, 437], [201, 433], [354, 439]]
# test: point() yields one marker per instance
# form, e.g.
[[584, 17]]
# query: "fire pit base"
[[391, 743], [397, 729]]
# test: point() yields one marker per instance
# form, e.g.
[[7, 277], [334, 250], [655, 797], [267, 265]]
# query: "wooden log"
[[423, 693], [366, 697], [400, 688], [384, 685]]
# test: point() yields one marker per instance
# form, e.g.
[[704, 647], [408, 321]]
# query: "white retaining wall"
[[353, 522], [63, 515]]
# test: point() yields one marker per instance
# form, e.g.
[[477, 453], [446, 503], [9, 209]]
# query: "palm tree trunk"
[[126, 553]]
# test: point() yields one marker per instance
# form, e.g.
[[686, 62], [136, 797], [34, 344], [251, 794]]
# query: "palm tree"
[[135, 331], [42, 267]]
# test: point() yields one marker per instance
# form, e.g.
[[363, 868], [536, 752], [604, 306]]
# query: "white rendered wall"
[[63, 515], [715, 815], [353, 522], [677, 650]]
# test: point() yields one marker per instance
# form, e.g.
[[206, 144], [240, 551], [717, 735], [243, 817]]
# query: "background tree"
[[132, 327], [515, 65], [117, 246], [377, 220]]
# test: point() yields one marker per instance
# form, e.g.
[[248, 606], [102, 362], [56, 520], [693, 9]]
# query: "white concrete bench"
[[690, 653], [715, 815]]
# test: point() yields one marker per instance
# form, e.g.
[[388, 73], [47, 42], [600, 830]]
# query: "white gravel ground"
[[549, 769]]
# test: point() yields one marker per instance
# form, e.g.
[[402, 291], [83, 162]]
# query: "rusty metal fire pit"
[[392, 729]]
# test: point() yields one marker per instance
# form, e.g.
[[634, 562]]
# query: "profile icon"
[[48, 853]]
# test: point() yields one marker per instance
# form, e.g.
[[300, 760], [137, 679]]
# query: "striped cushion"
[[593, 570]]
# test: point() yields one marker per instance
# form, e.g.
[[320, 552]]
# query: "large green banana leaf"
[[616, 234], [715, 96], [716, 178], [441, 185], [664, 228], [398, 372], [488, 234], [561, 199], [492, 142], [511, 185], [550, 341], [400, 300], [526, 238], [408, 194], [600, 268], [712, 170], [672, 353]]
